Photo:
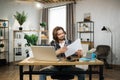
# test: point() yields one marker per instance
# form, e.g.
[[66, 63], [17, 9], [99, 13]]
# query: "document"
[[72, 48]]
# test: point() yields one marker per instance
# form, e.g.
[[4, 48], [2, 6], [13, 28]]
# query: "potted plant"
[[43, 25], [21, 18], [1, 34], [31, 39], [1, 47]]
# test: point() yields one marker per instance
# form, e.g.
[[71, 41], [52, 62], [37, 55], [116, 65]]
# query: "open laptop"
[[46, 53]]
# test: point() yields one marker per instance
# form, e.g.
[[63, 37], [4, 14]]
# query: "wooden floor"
[[11, 72]]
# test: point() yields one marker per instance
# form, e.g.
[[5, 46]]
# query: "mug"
[[93, 55]]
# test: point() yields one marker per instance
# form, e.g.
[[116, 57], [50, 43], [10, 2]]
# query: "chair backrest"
[[102, 50]]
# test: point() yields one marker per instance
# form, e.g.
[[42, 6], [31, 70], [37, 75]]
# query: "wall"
[[103, 13], [9, 7]]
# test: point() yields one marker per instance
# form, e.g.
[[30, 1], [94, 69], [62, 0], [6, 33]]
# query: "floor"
[[11, 72]]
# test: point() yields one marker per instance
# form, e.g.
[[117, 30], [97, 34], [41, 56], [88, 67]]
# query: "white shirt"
[[62, 44]]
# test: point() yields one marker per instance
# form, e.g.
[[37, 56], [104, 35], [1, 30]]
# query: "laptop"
[[88, 55], [46, 53]]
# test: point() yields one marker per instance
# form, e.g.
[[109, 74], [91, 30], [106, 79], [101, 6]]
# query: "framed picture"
[[87, 17]]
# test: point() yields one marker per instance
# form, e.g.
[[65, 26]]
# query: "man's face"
[[61, 34]]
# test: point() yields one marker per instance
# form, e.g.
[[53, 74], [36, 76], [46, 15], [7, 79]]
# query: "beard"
[[62, 38]]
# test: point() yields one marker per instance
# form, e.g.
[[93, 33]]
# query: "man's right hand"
[[61, 50]]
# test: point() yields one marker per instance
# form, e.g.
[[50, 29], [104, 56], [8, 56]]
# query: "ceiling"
[[53, 1], [49, 1]]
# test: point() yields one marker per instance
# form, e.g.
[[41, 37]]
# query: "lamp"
[[104, 28], [108, 30]]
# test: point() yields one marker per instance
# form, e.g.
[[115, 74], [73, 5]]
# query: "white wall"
[[103, 13], [9, 7]]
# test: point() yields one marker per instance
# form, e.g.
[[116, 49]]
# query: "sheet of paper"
[[72, 48]]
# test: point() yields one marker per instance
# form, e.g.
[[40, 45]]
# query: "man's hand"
[[79, 53], [61, 50]]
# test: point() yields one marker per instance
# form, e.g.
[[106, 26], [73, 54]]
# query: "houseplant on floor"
[[21, 18]]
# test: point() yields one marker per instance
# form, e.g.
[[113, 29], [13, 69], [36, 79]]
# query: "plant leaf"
[[20, 17]]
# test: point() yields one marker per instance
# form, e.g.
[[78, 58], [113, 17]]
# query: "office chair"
[[102, 52]]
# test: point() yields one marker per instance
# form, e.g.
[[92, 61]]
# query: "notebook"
[[46, 53]]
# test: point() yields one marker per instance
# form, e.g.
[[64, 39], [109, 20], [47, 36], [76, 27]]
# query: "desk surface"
[[32, 61]]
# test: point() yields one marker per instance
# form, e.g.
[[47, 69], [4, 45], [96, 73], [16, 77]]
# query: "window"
[[56, 17]]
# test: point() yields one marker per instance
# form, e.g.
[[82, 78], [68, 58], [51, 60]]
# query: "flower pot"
[[42, 28], [20, 28], [2, 49], [1, 37]]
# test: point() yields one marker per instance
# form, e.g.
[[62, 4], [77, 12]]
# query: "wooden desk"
[[32, 62]]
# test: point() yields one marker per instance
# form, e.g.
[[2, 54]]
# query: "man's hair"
[[55, 32]]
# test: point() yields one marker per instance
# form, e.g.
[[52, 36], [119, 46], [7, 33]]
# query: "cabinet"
[[4, 41], [19, 43], [86, 33], [44, 37]]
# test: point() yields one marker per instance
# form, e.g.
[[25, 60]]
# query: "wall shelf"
[[4, 41], [85, 31], [18, 38]]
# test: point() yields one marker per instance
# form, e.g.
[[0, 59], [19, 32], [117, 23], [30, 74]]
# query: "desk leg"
[[101, 77], [90, 72], [30, 70], [21, 72]]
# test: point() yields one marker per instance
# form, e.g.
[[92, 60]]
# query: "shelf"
[[85, 31], [86, 42], [30, 31], [4, 39], [44, 38], [26, 30], [18, 37], [3, 20], [91, 44], [3, 27], [86, 22], [3, 51], [45, 31]]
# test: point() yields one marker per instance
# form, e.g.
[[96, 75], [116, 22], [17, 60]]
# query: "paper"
[[72, 48], [84, 67], [85, 49]]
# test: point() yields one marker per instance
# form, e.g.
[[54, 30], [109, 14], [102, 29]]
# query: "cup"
[[93, 55]]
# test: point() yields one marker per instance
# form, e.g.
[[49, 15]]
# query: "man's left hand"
[[79, 53]]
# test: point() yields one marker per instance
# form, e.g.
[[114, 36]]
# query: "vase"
[[42, 28], [20, 28], [1, 37], [4, 24], [2, 49]]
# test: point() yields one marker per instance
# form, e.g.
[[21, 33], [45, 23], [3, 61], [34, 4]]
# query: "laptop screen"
[[46, 53]]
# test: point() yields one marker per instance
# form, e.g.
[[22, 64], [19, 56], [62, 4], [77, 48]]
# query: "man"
[[60, 43]]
